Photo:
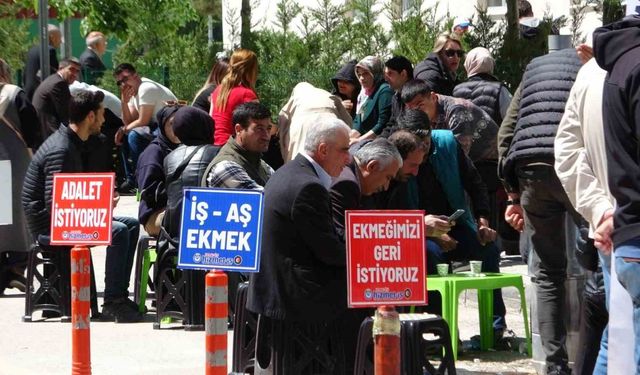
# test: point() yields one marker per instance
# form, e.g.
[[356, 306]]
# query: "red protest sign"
[[386, 261], [81, 208]]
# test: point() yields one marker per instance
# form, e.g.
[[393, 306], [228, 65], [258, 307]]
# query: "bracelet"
[[511, 202]]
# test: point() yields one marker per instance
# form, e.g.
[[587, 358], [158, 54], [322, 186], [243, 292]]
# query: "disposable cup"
[[443, 269], [476, 266]]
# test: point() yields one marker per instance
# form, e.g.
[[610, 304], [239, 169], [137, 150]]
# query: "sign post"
[[386, 265], [81, 215], [221, 230]]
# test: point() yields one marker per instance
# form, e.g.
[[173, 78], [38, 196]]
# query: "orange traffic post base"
[[386, 338], [80, 306], [215, 315]]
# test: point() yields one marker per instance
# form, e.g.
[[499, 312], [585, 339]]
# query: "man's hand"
[[126, 93], [514, 216], [485, 233], [436, 226], [602, 237], [446, 243], [119, 136], [116, 198]]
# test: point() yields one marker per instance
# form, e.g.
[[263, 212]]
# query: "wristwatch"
[[511, 202]]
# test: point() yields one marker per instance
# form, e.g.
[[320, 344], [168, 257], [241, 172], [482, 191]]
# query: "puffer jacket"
[[61, 152], [183, 167]]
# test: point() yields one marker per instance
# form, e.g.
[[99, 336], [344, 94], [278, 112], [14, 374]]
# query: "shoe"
[[127, 188], [558, 370], [121, 310], [18, 282]]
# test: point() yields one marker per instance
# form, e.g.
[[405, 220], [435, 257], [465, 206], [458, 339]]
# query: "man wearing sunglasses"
[[439, 69], [141, 99]]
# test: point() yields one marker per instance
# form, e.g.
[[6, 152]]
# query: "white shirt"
[[325, 178]]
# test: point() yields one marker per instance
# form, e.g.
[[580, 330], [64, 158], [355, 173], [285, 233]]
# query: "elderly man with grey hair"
[[301, 287], [32, 75], [375, 164], [91, 59]]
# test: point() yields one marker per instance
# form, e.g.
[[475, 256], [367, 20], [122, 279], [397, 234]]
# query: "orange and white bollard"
[[215, 315], [386, 336], [80, 306]]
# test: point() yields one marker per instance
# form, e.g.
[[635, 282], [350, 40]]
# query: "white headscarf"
[[478, 61]]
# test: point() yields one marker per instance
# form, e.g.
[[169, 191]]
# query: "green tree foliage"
[[14, 36], [415, 30]]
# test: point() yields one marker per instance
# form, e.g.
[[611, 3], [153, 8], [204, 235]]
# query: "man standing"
[[63, 152], [301, 284], [91, 59], [142, 98], [617, 50], [526, 150], [32, 76], [51, 99]]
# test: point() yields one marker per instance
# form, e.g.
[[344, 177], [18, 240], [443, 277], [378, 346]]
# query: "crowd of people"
[[389, 136]]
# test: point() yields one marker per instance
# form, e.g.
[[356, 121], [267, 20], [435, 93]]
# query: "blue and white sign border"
[[255, 267]]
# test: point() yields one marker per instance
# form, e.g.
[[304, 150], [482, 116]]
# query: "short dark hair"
[[414, 121], [123, 67], [524, 9], [406, 142], [82, 102], [413, 88], [248, 111], [68, 61], [400, 63]]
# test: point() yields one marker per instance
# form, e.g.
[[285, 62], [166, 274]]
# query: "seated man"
[[474, 129], [373, 167], [141, 100], [238, 164], [62, 152], [442, 181]]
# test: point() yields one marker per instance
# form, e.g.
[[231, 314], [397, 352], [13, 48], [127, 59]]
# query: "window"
[[495, 8]]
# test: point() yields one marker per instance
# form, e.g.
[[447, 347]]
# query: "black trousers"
[[545, 203], [593, 320]]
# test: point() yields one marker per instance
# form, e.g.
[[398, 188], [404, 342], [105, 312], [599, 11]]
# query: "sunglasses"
[[453, 52], [122, 81]]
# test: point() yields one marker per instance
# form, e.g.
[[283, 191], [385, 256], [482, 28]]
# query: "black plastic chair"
[[245, 325], [53, 295], [415, 348]]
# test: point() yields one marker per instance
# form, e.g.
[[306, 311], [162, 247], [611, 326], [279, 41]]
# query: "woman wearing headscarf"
[[345, 84], [439, 69], [482, 87], [185, 166], [150, 172], [374, 102]]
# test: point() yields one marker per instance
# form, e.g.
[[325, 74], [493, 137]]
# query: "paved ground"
[[43, 346]]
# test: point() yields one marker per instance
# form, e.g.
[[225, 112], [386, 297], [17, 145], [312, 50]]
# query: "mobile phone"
[[455, 215]]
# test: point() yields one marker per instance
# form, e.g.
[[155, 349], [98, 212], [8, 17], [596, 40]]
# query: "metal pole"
[[43, 20], [66, 38], [215, 314], [210, 30], [80, 306]]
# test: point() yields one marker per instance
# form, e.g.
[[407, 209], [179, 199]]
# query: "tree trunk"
[[245, 31]]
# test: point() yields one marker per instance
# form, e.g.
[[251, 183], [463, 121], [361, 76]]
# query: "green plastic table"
[[452, 285]]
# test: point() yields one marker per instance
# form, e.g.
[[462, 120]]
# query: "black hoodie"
[[347, 73], [617, 50]]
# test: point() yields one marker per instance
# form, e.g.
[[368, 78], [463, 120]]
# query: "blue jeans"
[[469, 248], [629, 276], [120, 255], [601, 363], [131, 151]]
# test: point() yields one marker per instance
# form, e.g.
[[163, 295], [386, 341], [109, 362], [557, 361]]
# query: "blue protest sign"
[[221, 229]]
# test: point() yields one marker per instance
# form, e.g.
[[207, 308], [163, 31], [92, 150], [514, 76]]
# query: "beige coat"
[[305, 107], [580, 159]]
